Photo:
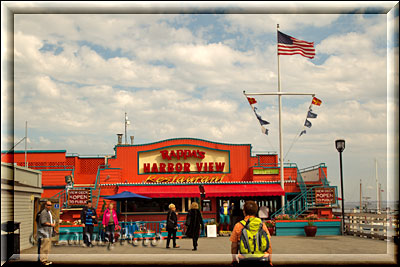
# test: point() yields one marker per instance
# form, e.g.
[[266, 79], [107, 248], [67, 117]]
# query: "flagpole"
[[280, 124], [126, 142]]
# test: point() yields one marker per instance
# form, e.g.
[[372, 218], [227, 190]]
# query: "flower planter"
[[310, 230], [73, 233], [296, 227]]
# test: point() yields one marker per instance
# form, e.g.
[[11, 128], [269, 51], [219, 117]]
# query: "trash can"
[[10, 240]]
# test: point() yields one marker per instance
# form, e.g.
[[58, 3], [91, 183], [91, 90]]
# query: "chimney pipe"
[[132, 137], [119, 139]]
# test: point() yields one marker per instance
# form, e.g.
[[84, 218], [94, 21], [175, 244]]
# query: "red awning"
[[161, 191], [238, 190]]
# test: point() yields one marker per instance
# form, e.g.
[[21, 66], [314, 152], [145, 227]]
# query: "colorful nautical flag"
[[288, 45], [307, 123], [303, 132], [311, 115], [251, 100], [262, 122], [264, 130], [316, 101]]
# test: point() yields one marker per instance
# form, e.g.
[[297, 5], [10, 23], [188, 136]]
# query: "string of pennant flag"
[[253, 101], [310, 114]]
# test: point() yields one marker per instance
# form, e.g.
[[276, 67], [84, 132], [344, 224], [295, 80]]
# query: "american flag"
[[288, 45]]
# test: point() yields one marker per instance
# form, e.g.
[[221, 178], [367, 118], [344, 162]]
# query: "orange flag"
[[251, 100], [316, 101]]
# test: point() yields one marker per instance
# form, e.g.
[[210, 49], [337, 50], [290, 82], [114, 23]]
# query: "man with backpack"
[[251, 241], [88, 219]]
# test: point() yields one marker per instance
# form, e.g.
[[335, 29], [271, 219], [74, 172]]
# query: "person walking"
[[251, 254], [193, 222], [172, 225], [110, 221], [45, 232], [88, 219]]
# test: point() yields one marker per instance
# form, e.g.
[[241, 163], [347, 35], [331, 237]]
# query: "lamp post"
[[340, 145]]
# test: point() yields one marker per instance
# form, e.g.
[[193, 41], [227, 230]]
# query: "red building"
[[171, 171]]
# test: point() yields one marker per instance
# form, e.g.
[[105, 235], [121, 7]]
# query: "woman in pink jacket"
[[110, 220]]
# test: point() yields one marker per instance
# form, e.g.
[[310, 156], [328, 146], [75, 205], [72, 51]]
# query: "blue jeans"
[[224, 219]]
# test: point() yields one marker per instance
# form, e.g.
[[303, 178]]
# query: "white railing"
[[375, 226]]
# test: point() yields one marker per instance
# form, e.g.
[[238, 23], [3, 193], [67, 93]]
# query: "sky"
[[183, 75]]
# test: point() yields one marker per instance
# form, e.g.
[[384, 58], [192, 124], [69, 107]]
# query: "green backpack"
[[254, 241]]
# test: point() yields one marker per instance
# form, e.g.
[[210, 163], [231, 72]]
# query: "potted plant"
[[271, 226], [310, 229]]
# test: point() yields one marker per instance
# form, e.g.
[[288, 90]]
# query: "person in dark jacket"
[[193, 222], [88, 219], [172, 225]]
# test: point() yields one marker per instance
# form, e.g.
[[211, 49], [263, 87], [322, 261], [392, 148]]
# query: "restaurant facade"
[[179, 171]]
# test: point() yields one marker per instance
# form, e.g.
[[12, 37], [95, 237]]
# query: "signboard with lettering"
[[157, 179], [78, 197], [183, 159], [325, 195], [266, 171]]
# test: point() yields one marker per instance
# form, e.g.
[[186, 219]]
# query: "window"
[[151, 205], [206, 205]]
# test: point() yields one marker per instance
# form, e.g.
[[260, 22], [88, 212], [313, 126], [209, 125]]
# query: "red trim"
[[233, 190], [217, 190], [161, 191]]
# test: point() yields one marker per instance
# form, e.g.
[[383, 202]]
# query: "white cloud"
[[268, 23]]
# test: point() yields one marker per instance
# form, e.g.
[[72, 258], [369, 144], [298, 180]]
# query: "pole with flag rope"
[[309, 48], [280, 124]]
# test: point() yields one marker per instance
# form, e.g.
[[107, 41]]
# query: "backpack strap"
[[261, 233], [244, 237]]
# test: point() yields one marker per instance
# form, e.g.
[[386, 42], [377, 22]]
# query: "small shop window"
[[151, 205], [206, 205]]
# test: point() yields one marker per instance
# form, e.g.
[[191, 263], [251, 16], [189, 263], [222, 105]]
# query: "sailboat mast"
[[360, 196], [377, 185]]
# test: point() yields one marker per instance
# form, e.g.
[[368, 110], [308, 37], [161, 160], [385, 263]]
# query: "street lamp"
[[340, 145]]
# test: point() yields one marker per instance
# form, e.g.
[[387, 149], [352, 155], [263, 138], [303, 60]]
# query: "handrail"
[[313, 167], [300, 181], [324, 180], [301, 202]]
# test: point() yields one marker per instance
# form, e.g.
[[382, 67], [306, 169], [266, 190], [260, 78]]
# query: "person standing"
[[172, 225], [45, 232], [88, 218], [110, 220], [251, 222], [193, 222]]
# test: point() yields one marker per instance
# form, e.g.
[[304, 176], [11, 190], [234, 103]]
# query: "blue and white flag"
[[262, 122], [311, 115], [307, 123], [264, 130]]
